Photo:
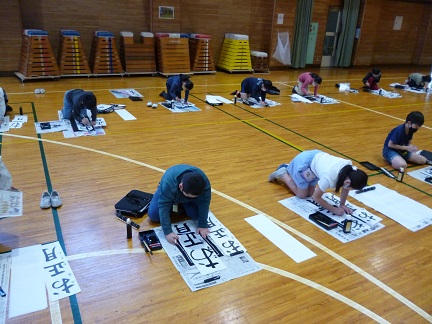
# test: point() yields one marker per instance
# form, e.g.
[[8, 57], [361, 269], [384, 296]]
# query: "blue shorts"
[[299, 164], [389, 154]]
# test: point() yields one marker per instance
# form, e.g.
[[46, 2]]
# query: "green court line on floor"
[[72, 299]]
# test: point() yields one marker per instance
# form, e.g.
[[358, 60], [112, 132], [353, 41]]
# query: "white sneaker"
[[55, 199], [45, 201], [154, 105], [149, 104], [278, 173]]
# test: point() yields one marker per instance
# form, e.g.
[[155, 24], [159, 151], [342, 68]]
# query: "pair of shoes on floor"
[[153, 105], [50, 200], [280, 171], [38, 91]]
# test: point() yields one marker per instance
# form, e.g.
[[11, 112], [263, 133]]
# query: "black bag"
[[134, 204]]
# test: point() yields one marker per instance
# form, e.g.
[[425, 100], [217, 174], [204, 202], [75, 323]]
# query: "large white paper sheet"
[[404, 210], [284, 241], [126, 115], [27, 289]]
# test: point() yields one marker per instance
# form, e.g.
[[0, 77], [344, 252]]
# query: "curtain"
[[301, 33], [345, 43]]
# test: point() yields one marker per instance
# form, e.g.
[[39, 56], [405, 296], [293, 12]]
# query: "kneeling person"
[[75, 105], [186, 185]]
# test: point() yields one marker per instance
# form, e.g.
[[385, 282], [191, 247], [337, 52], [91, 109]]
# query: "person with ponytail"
[[312, 173], [306, 79]]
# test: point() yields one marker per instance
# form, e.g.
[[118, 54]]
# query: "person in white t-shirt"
[[312, 173]]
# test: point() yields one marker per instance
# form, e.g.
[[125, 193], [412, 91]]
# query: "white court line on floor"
[[368, 109], [326, 291], [380, 284]]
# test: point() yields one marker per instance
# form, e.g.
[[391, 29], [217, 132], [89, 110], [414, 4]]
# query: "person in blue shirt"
[[75, 105], [175, 85], [188, 186], [254, 88], [398, 149]]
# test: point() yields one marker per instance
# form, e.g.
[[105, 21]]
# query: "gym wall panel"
[[10, 35]]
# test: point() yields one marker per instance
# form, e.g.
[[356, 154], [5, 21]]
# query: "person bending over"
[[254, 88], [312, 173], [75, 105], [304, 81], [185, 185], [418, 81], [175, 85]]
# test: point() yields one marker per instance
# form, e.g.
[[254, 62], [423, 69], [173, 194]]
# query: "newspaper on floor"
[[207, 262], [386, 94], [11, 203], [269, 103], [179, 107], [409, 89], [126, 93], [363, 224], [5, 125], [422, 174]]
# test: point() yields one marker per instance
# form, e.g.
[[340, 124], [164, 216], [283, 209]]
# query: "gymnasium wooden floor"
[[383, 277]]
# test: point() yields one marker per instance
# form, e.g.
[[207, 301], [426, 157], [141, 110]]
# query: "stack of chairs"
[[73, 61], [201, 54], [104, 57], [138, 58], [37, 59], [235, 54], [172, 53]]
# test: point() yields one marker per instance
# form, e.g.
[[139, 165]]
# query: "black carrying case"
[[134, 204]]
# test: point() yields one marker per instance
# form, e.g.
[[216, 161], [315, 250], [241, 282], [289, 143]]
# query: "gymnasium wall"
[[378, 43]]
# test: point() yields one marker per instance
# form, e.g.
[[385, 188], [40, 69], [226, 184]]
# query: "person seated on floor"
[[418, 81], [372, 79], [398, 149], [4, 107], [254, 88], [304, 80], [75, 105], [312, 172], [175, 85]]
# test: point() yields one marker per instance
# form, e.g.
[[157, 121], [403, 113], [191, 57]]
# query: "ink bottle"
[[400, 174]]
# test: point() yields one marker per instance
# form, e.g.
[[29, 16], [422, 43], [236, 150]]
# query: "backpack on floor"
[[134, 204]]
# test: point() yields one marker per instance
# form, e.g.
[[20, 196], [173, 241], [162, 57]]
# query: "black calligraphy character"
[[55, 269], [49, 256], [182, 229], [65, 286], [230, 245], [219, 233], [210, 223], [192, 240], [207, 253]]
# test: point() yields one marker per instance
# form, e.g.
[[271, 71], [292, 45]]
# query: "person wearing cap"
[[254, 88], [185, 185], [75, 105]]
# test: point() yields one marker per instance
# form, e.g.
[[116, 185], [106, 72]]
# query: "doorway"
[[331, 37]]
